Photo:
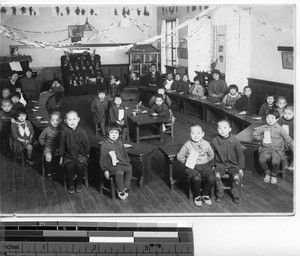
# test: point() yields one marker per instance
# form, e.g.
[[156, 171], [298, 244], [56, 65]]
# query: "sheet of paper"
[[113, 156], [286, 128], [192, 159], [267, 137], [15, 65], [121, 114]]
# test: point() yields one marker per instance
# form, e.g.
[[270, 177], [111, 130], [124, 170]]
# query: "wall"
[[47, 20]]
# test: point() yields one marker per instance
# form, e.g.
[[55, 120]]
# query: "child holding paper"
[[197, 155], [272, 148], [117, 114], [114, 160]]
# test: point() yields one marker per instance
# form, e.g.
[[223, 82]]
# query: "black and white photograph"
[[148, 109]]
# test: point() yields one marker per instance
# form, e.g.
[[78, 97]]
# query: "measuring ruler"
[[95, 239]]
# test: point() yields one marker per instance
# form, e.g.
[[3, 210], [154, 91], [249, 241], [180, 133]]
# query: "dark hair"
[[159, 96], [55, 79], [102, 90], [280, 98], [6, 101], [13, 72], [20, 111], [224, 120], [273, 112], [216, 71], [28, 69], [196, 125], [246, 87], [117, 96], [153, 64], [233, 86], [270, 94], [113, 126], [159, 88], [5, 88], [290, 107], [197, 78], [16, 94], [55, 113]]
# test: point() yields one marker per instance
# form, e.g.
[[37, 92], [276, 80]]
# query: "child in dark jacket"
[[159, 108], [114, 160], [15, 98], [280, 103], [229, 158], [175, 83], [99, 109], [74, 149], [269, 104], [246, 103], [160, 90], [184, 84]]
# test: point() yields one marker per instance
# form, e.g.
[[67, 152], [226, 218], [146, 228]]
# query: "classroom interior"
[[251, 45]]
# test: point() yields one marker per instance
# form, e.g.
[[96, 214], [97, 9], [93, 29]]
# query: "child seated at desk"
[[99, 108], [175, 83], [217, 87], [7, 115], [159, 108], [270, 103], [287, 123], [166, 98], [272, 148], [197, 88], [15, 98], [117, 114], [114, 160], [246, 103], [74, 149], [184, 84], [197, 155], [168, 82], [231, 97], [21, 135], [229, 158], [49, 139], [59, 89], [280, 103]]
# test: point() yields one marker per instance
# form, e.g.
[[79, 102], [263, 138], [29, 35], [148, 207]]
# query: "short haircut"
[[159, 96], [224, 120], [280, 98], [273, 112], [13, 72], [161, 88], [117, 96], [270, 94], [153, 64], [71, 112], [16, 94], [5, 89], [113, 126], [20, 111], [196, 125], [196, 78], [55, 113], [6, 101], [177, 74], [101, 91], [233, 86], [289, 107], [247, 87], [55, 79], [170, 73]]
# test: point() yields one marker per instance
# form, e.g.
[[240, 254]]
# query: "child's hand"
[[106, 174], [12, 120], [243, 113], [60, 161], [241, 172], [122, 122], [154, 114], [27, 141]]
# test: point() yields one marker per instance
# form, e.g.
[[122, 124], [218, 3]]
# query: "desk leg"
[[169, 171], [161, 132], [137, 134]]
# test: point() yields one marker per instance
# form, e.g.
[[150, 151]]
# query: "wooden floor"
[[37, 196]]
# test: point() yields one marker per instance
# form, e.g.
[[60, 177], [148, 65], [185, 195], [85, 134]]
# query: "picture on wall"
[[287, 60], [75, 31]]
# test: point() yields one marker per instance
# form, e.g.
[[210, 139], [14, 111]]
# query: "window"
[[171, 43]]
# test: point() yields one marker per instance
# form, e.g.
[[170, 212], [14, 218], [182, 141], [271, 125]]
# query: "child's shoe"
[[49, 176], [273, 180], [206, 200], [127, 192], [219, 199], [122, 195], [267, 178], [198, 201], [71, 190], [79, 188], [236, 199]]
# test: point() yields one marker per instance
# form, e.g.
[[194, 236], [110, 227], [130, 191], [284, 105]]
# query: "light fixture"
[[87, 26], [124, 23]]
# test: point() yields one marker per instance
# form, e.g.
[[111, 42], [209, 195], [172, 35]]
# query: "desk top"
[[246, 135]]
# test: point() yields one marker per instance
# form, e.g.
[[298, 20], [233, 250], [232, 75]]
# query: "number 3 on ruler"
[[146, 248]]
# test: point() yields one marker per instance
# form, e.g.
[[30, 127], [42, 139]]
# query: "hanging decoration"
[[24, 11], [63, 10]]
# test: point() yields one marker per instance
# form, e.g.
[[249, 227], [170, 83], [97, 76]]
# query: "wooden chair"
[[110, 188], [170, 126], [282, 169]]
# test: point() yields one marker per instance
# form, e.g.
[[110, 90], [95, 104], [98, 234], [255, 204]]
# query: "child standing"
[[6, 119], [166, 98], [270, 103], [99, 109], [114, 160], [15, 98], [233, 95], [229, 158], [272, 148], [117, 114], [199, 173], [246, 102], [59, 89], [197, 88], [281, 102], [168, 82], [184, 84], [74, 148], [21, 135], [49, 139]]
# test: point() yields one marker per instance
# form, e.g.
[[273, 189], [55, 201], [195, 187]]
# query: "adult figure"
[[13, 84], [153, 78], [217, 87], [29, 85]]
